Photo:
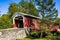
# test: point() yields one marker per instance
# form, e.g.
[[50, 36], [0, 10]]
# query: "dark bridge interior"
[[19, 22]]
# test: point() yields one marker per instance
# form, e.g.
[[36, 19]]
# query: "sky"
[[4, 5]]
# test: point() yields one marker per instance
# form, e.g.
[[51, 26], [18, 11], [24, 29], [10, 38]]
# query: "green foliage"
[[35, 34], [13, 8], [57, 21], [46, 8], [5, 22], [23, 6]]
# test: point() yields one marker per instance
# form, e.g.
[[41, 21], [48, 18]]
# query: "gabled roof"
[[21, 14]]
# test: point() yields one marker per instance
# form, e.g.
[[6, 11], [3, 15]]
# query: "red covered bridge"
[[22, 20]]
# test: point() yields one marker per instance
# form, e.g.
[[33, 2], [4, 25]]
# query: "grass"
[[33, 39]]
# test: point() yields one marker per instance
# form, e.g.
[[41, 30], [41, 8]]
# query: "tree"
[[13, 8], [57, 22], [5, 22], [32, 9], [47, 12], [46, 8], [23, 6]]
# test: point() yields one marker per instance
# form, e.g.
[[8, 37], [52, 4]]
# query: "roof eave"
[[27, 15]]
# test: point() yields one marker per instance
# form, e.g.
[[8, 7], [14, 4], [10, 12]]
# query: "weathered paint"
[[28, 22], [36, 26], [15, 25], [55, 28]]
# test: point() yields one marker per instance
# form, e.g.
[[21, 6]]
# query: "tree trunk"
[[41, 34]]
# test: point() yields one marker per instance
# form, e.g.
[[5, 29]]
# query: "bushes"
[[35, 34], [5, 22]]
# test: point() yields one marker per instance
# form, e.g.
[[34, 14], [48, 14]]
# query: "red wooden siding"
[[55, 28], [15, 25], [35, 24], [28, 22]]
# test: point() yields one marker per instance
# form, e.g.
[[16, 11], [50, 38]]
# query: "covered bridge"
[[22, 20]]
